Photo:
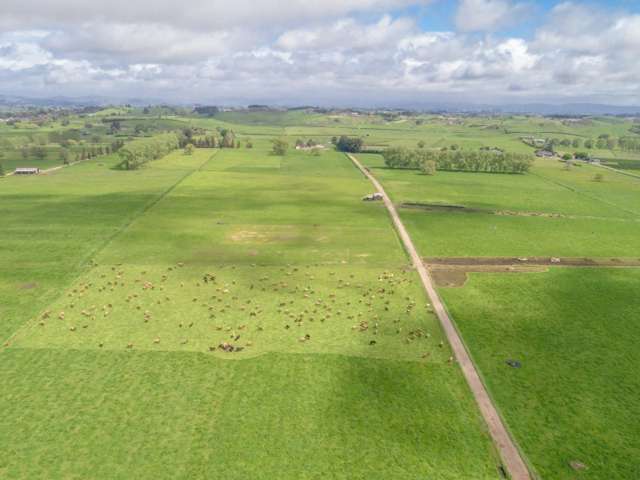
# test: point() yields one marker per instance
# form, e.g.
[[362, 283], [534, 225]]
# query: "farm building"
[[545, 154], [310, 147], [372, 197], [26, 171]]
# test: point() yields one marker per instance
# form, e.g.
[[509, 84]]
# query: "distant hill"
[[573, 109], [570, 109]]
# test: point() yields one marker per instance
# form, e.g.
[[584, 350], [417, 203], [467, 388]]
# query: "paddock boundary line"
[[509, 452], [578, 191], [144, 209], [620, 172]]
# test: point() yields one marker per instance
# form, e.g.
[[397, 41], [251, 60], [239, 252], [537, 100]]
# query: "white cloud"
[[195, 14], [582, 29], [333, 57], [591, 49], [144, 42], [18, 56], [348, 34], [488, 15]]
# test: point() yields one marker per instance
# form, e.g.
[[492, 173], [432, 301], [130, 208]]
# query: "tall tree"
[[279, 146]]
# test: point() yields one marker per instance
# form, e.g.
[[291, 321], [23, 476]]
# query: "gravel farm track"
[[514, 464]]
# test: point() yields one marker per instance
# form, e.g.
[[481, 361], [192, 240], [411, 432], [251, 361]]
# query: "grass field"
[[549, 212], [237, 314], [573, 330], [114, 368]]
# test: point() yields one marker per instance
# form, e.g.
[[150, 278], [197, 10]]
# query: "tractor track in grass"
[[85, 261], [509, 452]]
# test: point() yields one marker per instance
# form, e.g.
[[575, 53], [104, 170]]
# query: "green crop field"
[[229, 313], [237, 314]]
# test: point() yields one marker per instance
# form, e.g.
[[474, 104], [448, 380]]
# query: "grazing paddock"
[[549, 212], [251, 312], [575, 332], [571, 331], [237, 314]]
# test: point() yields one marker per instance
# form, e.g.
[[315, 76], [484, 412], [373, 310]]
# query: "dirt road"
[[513, 461]]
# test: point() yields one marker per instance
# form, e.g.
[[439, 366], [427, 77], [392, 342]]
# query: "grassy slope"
[[575, 331], [334, 406]]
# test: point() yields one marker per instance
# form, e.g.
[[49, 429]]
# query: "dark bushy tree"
[[279, 147], [349, 144]]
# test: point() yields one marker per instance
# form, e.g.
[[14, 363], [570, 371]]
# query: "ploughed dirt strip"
[[452, 271]]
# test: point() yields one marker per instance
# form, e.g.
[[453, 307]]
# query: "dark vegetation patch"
[[438, 207], [625, 164]]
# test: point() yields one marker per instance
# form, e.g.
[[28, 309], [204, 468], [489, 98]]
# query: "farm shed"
[[372, 197], [544, 154], [26, 171]]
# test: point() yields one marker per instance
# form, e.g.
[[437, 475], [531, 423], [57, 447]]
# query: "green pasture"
[[113, 368], [547, 212], [575, 333], [573, 330], [237, 314]]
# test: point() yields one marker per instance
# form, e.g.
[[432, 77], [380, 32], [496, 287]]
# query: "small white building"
[[372, 197], [545, 154], [26, 171], [312, 147]]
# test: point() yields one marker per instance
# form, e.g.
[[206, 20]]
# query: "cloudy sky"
[[328, 52]]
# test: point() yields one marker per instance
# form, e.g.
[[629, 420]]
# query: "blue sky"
[[441, 14], [335, 52]]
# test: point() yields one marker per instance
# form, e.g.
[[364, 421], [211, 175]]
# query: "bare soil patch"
[[28, 286], [248, 236], [453, 271], [544, 261], [264, 235], [457, 275]]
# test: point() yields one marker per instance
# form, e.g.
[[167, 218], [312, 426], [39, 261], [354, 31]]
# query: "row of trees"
[[226, 139], [138, 152], [86, 153], [68, 153], [629, 144], [603, 142], [429, 161]]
